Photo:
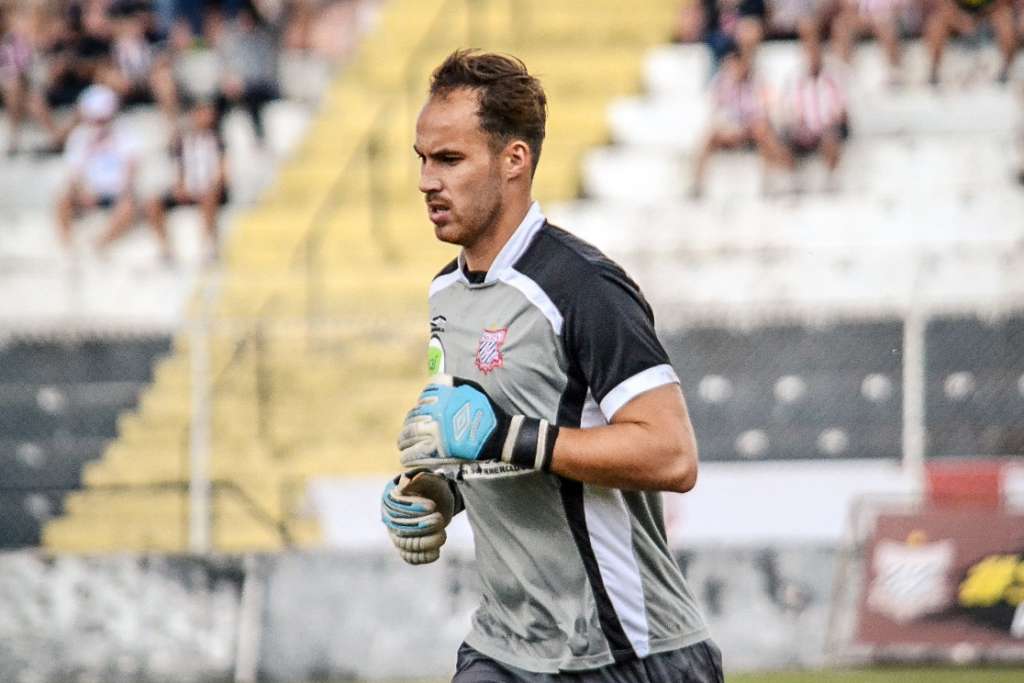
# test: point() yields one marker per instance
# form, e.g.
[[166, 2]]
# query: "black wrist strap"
[[529, 443]]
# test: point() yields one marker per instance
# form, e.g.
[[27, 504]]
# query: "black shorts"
[[698, 663], [106, 201], [139, 94], [169, 201], [65, 92]]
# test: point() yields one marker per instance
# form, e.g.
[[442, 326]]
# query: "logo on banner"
[[912, 578], [488, 352]]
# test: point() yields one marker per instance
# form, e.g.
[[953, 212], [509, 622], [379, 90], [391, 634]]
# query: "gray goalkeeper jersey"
[[573, 576]]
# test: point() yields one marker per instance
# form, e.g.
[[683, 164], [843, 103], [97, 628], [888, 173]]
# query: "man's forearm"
[[626, 456], [649, 446]]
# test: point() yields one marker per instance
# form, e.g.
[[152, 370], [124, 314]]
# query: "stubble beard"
[[478, 220]]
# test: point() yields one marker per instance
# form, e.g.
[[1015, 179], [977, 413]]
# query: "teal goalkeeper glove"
[[416, 507], [456, 421]]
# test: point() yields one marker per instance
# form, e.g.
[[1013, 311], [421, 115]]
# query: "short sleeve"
[[609, 335]]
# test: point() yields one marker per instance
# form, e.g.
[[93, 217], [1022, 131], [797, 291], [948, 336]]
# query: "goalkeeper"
[[553, 417]]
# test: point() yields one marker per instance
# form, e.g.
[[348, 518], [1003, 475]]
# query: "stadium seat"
[[60, 402], [792, 392]]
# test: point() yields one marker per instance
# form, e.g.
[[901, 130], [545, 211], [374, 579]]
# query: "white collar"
[[514, 247]]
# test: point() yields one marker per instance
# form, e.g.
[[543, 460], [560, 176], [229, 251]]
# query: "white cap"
[[97, 103]]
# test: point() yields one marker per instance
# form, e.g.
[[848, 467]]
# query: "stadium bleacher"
[[321, 296], [921, 219], [975, 391], [59, 405], [793, 392], [782, 311]]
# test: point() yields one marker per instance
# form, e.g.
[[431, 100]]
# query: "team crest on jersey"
[[488, 351]]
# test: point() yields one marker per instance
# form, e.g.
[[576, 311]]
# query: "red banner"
[[945, 577]]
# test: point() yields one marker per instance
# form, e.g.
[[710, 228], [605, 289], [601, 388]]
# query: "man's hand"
[[455, 421], [416, 507]]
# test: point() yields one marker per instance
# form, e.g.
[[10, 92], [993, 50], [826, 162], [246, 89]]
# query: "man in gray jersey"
[[553, 418]]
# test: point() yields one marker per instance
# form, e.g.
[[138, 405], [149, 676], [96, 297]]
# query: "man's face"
[[459, 173]]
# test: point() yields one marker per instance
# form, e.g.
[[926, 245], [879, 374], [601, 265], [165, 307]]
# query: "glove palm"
[[416, 507]]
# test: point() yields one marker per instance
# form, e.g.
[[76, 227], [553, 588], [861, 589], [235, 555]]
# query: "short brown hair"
[[512, 102]]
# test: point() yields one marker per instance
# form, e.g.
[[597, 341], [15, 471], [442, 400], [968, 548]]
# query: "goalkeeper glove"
[[455, 421], [416, 507]]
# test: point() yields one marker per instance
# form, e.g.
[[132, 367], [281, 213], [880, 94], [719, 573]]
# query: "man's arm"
[[649, 445]]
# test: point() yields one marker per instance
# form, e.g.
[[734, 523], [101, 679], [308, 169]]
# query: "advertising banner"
[[943, 578]]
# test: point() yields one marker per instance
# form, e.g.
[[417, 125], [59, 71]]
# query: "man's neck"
[[480, 256]]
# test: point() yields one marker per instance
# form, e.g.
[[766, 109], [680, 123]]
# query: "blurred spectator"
[[962, 17], [804, 18], [16, 54], [880, 18], [248, 50], [814, 117], [139, 70], [101, 167], [722, 24], [201, 178], [77, 48], [299, 24], [739, 117]]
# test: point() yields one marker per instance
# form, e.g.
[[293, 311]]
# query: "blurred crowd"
[[809, 116], [71, 66]]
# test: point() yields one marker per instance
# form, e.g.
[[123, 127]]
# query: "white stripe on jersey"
[[611, 537], [536, 296], [442, 281], [628, 389], [517, 243]]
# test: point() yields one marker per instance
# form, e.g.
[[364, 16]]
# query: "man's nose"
[[429, 182]]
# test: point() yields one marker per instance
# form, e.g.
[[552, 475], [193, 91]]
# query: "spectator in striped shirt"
[[879, 17], [739, 118], [201, 179], [813, 115]]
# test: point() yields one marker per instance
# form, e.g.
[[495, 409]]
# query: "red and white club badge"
[[488, 351]]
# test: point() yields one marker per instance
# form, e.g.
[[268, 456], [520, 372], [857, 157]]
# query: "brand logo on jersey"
[[488, 351], [437, 324], [435, 356]]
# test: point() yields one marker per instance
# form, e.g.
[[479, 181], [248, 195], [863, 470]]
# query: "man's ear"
[[517, 160]]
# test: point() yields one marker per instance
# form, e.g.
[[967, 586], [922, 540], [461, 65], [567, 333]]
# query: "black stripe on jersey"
[[572, 500], [450, 267], [570, 406]]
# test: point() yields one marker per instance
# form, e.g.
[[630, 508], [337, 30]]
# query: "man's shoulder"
[[560, 255], [574, 273], [448, 269], [446, 276]]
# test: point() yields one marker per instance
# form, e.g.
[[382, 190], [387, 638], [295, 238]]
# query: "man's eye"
[[450, 161]]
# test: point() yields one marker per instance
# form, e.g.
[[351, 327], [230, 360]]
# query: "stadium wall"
[[342, 616]]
